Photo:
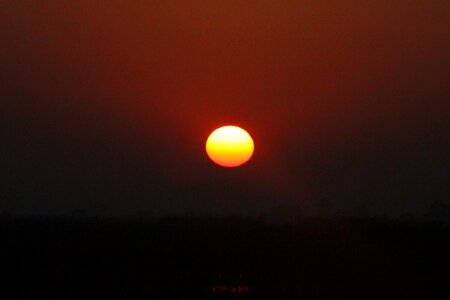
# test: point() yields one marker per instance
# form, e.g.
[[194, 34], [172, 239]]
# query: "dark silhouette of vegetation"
[[223, 258], [439, 211]]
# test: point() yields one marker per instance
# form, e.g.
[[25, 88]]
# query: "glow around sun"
[[229, 146]]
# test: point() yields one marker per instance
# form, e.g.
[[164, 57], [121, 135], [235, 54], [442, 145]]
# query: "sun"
[[229, 146]]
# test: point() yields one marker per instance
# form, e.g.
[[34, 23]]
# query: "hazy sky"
[[106, 105]]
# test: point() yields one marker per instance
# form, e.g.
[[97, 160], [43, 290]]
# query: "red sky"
[[346, 101]]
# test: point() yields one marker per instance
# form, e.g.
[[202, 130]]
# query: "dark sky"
[[106, 105]]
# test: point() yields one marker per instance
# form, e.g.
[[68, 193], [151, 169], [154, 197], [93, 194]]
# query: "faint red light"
[[239, 289]]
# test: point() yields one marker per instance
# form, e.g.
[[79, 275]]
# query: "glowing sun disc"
[[229, 146]]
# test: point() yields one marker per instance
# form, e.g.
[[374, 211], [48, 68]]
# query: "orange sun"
[[229, 146]]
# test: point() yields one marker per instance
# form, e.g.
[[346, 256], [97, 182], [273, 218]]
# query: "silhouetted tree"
[[360, 211], [439, 210], [324, 207]]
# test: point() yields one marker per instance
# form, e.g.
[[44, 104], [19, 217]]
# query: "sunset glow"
[[229, 146]]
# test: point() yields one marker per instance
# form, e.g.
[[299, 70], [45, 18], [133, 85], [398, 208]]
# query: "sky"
[[107, 105]]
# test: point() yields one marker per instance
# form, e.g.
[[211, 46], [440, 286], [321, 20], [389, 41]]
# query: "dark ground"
[[226, 258]]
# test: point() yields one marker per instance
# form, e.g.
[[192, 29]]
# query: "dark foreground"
[[231, 258]]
